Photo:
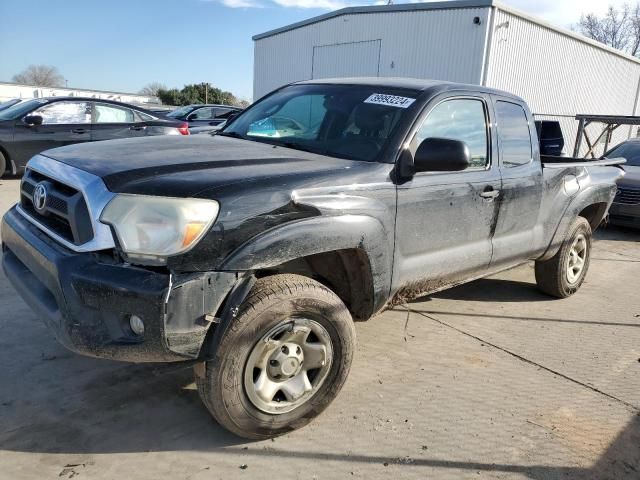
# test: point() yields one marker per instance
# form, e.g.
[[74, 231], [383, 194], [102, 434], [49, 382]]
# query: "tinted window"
[[143, 116], [346, 121], [180, 112], [112, 114], [515, 138], [629, 151], [225, 113], [60, 113], [459, 119], [222, 112], [206, 113]]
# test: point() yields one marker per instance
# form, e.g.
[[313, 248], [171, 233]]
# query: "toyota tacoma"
[[250, 253]]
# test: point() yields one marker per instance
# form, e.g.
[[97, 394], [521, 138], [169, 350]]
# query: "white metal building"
[[558, 72]]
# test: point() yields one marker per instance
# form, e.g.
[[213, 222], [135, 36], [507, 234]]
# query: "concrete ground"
[[488, 380]]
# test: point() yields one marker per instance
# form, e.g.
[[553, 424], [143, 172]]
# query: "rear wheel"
[[563, 274], [281, 361]]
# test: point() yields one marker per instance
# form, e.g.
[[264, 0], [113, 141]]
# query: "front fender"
[[320, 235]]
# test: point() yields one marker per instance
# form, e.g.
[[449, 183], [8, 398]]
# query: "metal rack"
[[610, 124]]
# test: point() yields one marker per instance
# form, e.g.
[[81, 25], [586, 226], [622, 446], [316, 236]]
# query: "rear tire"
[[281, 360], [562, 275]]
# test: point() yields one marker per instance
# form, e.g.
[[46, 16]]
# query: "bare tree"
[[151, 89], [618, 28], [40, 75]]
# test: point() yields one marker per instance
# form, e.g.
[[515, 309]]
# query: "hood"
[[184, 166]]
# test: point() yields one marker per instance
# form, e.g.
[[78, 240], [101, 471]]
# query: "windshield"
[[629, 151], [180, 112], [20, 109], [345, 121]]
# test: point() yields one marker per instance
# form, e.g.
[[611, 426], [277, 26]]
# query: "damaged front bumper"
[[87, 301]]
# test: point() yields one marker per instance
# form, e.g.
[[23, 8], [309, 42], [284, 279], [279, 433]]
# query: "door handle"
[[489, 192], [79, 130]]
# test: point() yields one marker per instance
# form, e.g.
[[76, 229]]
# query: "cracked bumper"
[[86, 303]]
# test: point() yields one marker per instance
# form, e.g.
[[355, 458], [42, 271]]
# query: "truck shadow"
[[492, 290]]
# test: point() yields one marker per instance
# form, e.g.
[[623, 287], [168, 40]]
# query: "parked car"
[[625, 210], [9, 103], [33, 126], [204, 115], [252, 254]]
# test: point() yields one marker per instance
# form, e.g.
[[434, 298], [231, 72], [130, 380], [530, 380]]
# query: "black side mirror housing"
[[441, 155], [33, 120]]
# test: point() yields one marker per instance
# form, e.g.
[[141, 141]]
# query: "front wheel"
[[563, 274], [281, 361], [3, 165]]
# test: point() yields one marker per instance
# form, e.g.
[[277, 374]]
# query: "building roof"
[[443, 5]]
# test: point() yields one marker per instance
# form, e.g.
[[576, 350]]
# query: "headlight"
[[150, 229]]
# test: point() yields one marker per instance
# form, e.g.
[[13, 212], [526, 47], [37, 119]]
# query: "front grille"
[[65, 211], [628, 196]]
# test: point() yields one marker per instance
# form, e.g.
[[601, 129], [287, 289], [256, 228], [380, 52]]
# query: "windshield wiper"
[[230, 134]]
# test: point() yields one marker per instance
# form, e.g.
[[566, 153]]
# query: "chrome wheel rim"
[[288, 365], [577, 259]]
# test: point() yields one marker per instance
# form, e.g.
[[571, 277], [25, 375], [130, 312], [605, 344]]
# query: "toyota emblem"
[[40, 197]]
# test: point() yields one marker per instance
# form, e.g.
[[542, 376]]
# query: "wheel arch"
[[10, 164], [351, 254], [592, 204]]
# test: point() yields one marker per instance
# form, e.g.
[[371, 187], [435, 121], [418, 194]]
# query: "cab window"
[[462, 119], [514, 134]]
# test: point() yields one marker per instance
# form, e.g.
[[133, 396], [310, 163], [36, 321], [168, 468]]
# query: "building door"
[[355, 59]]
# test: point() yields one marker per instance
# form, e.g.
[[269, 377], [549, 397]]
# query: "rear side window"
[[515, 137], [459, 119], [112, 114]]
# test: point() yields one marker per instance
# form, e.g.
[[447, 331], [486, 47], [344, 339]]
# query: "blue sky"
[[124, 44]]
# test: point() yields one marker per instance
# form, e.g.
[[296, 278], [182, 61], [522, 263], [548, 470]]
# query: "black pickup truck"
[[252, 252]]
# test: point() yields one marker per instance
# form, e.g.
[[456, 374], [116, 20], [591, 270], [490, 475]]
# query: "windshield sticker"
[[390, 100]]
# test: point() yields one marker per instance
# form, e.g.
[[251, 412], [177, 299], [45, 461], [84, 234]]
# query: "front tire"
[[281, 361], [562, 275], [3, 165]]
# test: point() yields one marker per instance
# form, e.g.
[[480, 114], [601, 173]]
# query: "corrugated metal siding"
[[560, 75], [436, 44], [355, 59]]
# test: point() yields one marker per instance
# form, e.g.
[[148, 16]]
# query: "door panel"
[[517, 227], [64, 123], [111, 122], [445, 221]]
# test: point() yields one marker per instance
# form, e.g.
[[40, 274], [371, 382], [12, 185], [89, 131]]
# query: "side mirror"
[[33, 120], [441, 155]]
